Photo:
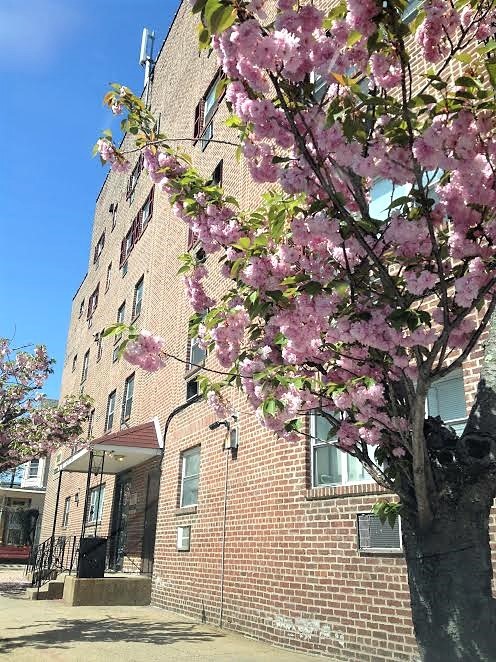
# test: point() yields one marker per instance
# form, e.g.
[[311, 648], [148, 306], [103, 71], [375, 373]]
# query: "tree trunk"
[[450, 573]]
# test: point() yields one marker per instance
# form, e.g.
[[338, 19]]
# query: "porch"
[[110, 545]]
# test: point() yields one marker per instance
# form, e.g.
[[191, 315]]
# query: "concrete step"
[[52, 590]]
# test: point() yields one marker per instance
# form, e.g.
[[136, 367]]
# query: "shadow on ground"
[[64, 632], [14, 589]]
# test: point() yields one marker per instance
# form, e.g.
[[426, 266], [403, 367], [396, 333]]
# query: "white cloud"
[[32, 31]]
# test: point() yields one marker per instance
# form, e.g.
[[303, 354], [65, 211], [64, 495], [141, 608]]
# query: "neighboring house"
[[22, 495], [275, 540]]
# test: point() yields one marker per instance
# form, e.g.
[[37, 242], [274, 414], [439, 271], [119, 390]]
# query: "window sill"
[[186, 510], [340, 491], [135, 318], [191, 372]]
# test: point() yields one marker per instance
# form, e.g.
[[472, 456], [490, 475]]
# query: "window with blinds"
[[446, 398]]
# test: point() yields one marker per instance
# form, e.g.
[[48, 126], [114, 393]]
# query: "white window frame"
[[146, 212], [343, 458], [458, 373], [184, 456], [95, 501], [128, 386], [138, 297], [30, 474], [110, 410], [86, 364], [193, 345], [66, 512]]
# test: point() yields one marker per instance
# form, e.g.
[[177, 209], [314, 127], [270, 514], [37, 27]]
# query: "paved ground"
[[32, 631]]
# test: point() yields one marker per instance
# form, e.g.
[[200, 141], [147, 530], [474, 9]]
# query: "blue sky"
[[56, 60]]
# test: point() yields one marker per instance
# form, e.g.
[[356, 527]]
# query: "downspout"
[[223, 552], [177, 410]]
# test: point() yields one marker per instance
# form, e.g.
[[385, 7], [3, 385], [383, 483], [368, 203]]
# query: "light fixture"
[[119, 458], [76, 498]]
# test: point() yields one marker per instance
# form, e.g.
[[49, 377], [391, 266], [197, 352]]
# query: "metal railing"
[[51, 557], [59, 554]]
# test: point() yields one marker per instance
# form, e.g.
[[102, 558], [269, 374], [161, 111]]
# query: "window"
[[34, 465], [115, 353], [320, 86], [190, 476], [446, 398], [191, 239], [95, 505], [127, 401], [86, 362], [93, 302], [113, 212], [99, 248], [373, 536], [138, 298], [90, 423], [81, 308], [109, 416], [99, 347], [121, 313], [65, 514], [192, 388], [217, 174], [205, 111], [183, 541], [330, 465], [196, 354], [74, 362], [147, 211], [133, 179], [107, 280], [137, 228], [382, 194], [411, 9]]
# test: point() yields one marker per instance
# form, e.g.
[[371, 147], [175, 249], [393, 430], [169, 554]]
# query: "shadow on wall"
[[64, 632]]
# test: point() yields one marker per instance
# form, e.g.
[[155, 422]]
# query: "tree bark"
[[449, 574]]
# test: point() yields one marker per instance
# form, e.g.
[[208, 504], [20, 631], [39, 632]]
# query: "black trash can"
[[92, 555]]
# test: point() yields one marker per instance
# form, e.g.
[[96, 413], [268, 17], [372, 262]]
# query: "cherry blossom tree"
[[28, 427], [334, 306]]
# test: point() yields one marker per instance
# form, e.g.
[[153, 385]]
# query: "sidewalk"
[[31, 631]]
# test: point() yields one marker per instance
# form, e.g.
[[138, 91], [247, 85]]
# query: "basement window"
[[378, 538]]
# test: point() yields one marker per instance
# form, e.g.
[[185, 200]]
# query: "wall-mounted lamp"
[[76, 498]]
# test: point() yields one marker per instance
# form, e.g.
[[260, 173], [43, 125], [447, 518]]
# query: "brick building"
[[274, 540]]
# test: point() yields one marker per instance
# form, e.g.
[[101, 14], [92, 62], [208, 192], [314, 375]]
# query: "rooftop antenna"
[[146, 54]]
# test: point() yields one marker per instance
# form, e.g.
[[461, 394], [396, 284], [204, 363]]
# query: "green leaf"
[[198, 6], [114, 330], [218, 17], [243, 243], [204, 37], [353, 37]]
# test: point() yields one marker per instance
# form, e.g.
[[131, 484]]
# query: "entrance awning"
[[118, 451]]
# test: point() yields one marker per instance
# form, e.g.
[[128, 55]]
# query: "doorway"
[[150, 522], [120, 520]]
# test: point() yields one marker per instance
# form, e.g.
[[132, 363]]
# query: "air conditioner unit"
[[373, 536]]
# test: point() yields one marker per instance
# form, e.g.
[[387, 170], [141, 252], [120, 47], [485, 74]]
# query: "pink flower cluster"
[[147, 351], [195, 290], [108, 153]]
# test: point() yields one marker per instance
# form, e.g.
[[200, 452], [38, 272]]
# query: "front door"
[[150, 525], [120, 516]]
